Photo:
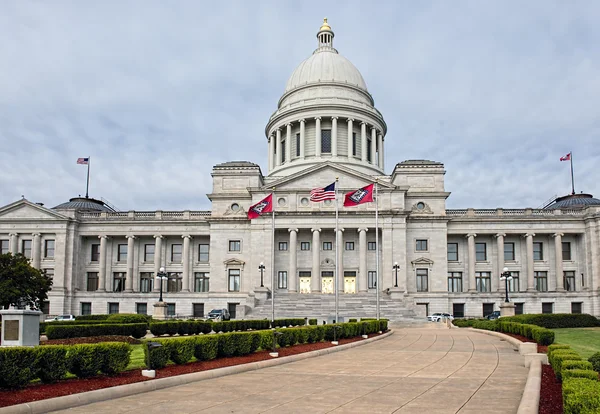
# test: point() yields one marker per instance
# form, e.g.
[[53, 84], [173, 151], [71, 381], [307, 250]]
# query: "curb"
[[84, 398]]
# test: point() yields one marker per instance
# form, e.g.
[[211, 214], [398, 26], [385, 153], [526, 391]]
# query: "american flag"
[[84, 161], [322, 194]]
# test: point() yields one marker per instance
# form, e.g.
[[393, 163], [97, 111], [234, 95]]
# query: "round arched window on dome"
[[420, 205], [304, 201], [281, 201], [235, 207]]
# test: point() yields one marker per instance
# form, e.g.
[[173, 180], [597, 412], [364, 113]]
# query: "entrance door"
[[305, 284], [350, 285], [327, 285], [231, 308]]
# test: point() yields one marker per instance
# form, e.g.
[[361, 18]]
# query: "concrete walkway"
[[427, 369]]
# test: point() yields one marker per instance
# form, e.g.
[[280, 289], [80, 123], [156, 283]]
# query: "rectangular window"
[[326, 141], [483, 280], [453, 252], [569, 281], [203, 255], [95, 253], [327, 246], [146, 282], [176, 253], [480, 252], [283, 246], [455, 282], [149, 253], [458, 310], [422, 282], [372, 279], [281, 280], [113, 307], [86, 308], [509, 251], [538, 251], [235, 246], [3, 246], [201, 280], [304, 273], [92, 281], [566, 250], [421, 246], [119, 281], [234, 280], [297, 145], [349, 245], [541, 281], [576, 307], [122, 253], [171, 310], [282, 151], [487, 309], [349, 273], [26, 248], [514, 284], [519, 308], [547, 307], [369, 149], [49, 249], [354, 144], [198, 309], [326, 273], [371, 246], [174, 281], [305, 246], [141, 308]]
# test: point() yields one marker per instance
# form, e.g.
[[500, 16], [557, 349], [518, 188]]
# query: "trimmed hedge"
[[581, 396], [102, 317], [289, 322], [128, 318], [204, 327], [312, 321], [595, 361], [137, 330], [579, 373], [51, 362], [538, 334], [17, 366], [558, 357], [556, 320]]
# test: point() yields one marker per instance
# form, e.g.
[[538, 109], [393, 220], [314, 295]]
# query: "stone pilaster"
[[278, 147], [529, 245], [350, 137], [102, 264], [318, 136], [302, 137], [13, 243], [157, 260], [185, 283], [316, 261], [363, 141], [36, 250], [362, 263], [500, 242], [558, 257], [380, 146], [374, 146], [334, 144], [130, 275], [293, 268], [288, 143], [340, 259], [471, 256]]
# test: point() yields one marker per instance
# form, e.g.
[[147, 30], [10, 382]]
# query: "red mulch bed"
[[92, 340], [551, 401], [40, 391]]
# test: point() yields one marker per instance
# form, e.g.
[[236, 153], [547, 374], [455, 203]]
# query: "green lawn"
[[137, 358], [585, 341]]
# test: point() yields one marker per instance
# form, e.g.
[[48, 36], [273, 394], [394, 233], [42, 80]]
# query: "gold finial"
[[325, 25]]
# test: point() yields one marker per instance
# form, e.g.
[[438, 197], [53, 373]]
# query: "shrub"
[[487, 325], [17, 366], [157, 357], [542, 336], [255, 341], [595, 361], [352, 320], [557, 320], [206, 347], [91, 317], [128, 318], [227, 345], [137, 330], [383, 325], [579, 373], [181, 350], [302, 336], [557, 359], [288, 322], [158, 328], [312, 321], [84, 360], [217, 327], [266, 340], [554, 347], [51, 362], [243, 343], [581, 396], [576, 365], [115, 356]]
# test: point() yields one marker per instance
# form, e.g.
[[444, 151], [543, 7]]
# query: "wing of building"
[[326, 126]]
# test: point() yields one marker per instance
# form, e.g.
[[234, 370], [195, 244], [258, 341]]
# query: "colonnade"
[[36, 247]]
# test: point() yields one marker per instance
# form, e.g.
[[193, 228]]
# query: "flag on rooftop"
[[83, 161], [321, 194]]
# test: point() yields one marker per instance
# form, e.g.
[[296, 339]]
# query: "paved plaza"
[[425, 369]]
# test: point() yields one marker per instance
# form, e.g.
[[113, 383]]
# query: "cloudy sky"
[[157, 92]]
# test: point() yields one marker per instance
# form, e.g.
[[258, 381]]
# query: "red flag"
[[566, 157], [263, 206], [360, 196]]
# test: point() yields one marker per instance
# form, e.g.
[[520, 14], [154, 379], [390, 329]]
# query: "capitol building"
[[325, 126]]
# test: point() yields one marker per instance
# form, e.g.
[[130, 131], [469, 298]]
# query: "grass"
[[586, 341], [137, 358]]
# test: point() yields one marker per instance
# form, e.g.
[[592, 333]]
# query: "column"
[[292, 273], [471, 254], [340, 260], [500, 286], [302, 139], [350, 137], [14, 243], [560, 282], [363, 141], [318, 137], [185, 283], [271, 151], [102, 264], [278, 147], [373, 146], [36, 250], [362, 264], [380, 146], [288, 145], [129, 278], [157, 260], [315, 280], [529, 244], [334, 145]]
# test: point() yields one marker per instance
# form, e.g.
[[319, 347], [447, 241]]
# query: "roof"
[[234, 164], [420, 162], [83, 204], [573, 201]]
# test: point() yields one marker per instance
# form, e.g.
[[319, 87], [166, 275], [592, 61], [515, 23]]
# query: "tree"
[[20, 283]]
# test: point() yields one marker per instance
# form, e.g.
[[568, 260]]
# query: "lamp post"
[[261, 267], [506, 276], [396, 267], [160, 276]]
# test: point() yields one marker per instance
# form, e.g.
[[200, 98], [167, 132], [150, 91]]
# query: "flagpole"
[[273, 262], [377, 246], [572, 179], [337, 256], [87, 186]]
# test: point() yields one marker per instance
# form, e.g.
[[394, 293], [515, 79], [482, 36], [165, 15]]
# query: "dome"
[[573, 201], [83, 204]]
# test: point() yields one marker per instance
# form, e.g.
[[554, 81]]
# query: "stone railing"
[[512, 212], [145, 215]]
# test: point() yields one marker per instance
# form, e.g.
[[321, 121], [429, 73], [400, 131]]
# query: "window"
[[576, 307], [372, 276], [26, 248], [480, 252], [235, 246], [453, 252], [569, 280], [304, 273], [281, 280], [122, 253], [203, 253], [421, 246], [49, 249], [519, 308], [305, 246], [146, 282], [282, 151], [176, 256], [487, 309], [86, 308], [198, 310], [326, 273], [349, 245], [458, 310], [566, 250], [92, 281], [171, 309], [234, 280], [422, 282], [297, 145], [509, 251], [326, 140], [455, 282], [327, 246], [350, 273], [513, 285], [354, 144], [141, 308], [538, 251], [3, 246], [547, 307], [113, 307], [201, 280], [282, 245], [369, 149], [541, 281], [371, 246], [119, 281], [174, 281], [95, 253], [149, 253], [483, 280]]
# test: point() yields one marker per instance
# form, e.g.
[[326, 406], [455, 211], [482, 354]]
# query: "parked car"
[[61, 318], [218, 315], [439, 316], [493, 315]]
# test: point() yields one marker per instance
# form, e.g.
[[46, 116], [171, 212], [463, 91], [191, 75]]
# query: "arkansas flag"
[[360, 196], [566, 157], [263, 206]]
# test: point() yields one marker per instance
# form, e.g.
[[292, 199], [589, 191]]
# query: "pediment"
[[234, 262], [26, 210], [422, 261]]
